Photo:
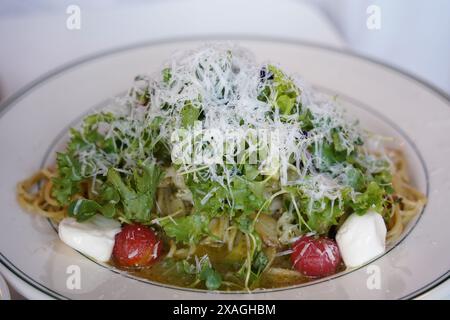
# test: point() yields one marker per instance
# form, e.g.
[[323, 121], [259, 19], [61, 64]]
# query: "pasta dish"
[[221, 173]]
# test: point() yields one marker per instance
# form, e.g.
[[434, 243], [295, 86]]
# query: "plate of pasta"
[[225, 170]]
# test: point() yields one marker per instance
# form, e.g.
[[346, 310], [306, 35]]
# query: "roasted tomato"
[[315, 257], [136, 246]]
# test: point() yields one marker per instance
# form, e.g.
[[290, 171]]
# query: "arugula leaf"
[[131, 198], [259, 263], [330, 155], [89, 134], [137, 192], [93, 120], [213, 279], [372, 198], [306, 119], [189, 114], [251, 171], [248, 196], [70, 171], [83, 209], [285, 103], [103, 150], [208, 196], [318, 215], [384, 179], [141, 92], [337, 141], [167, 75], [322, 214], [355, 178], [186, 267], [188, 229], [243, 195], [286, 92], [109, 198], [66, 183], [245, 224]]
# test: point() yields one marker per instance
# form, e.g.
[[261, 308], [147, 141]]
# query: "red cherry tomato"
[[136, 246], [315, 257]]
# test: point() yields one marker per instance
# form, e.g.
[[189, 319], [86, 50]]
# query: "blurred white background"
[[414, 35]]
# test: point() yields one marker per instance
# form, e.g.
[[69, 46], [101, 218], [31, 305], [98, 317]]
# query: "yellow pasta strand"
[[34, 195]]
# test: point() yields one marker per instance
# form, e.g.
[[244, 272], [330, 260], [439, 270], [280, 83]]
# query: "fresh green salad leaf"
[[186, 267], [259, 263], [188, 229], [208, 196], [189, 114], [66, 183], [137, 192], [203, 271], [328, 155], [213, 279], [355, 178], [245, 223], [167, 74], [286, 92], [321, 215], [306, 119], [242, 196], [384, 179], [130, 198], [69, 168], [83, 209], [371, 199]]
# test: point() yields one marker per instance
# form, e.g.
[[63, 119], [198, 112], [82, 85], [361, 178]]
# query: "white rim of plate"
[[6, 105], [4, 290]]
